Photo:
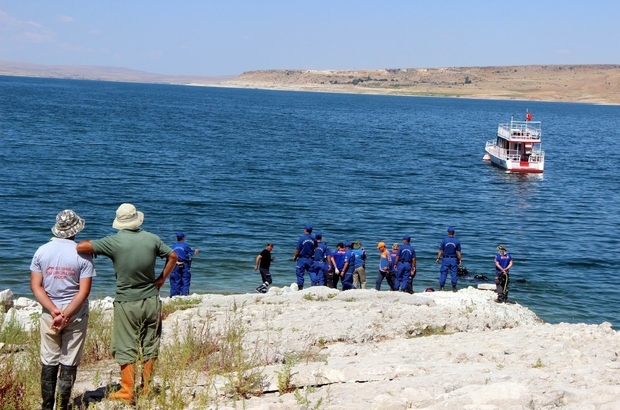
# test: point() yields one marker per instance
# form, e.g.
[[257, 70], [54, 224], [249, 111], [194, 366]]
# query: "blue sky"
[[230, 37]]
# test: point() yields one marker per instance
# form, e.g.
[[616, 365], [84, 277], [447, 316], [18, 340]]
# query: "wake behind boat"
[[518, 146]]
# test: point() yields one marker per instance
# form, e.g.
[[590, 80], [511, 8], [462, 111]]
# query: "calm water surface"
[[235, 169]]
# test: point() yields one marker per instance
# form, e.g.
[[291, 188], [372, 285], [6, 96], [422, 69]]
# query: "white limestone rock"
[[6, 300], [22, 303]]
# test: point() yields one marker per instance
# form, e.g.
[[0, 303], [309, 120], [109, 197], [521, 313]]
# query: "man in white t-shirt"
[[60, 280]]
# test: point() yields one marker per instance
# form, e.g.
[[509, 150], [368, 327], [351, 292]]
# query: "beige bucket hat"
[[127, 217]]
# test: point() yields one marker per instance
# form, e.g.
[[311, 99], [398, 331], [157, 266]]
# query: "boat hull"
[[517, 166]]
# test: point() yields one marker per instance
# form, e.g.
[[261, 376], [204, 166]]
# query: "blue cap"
[[308, 227], [318, 235], [406, 237], [180, 235], [450, 230], [347, 244]]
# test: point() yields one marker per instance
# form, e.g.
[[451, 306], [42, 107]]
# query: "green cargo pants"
[[137, 330]]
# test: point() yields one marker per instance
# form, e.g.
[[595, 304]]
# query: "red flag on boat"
[[528, 116]]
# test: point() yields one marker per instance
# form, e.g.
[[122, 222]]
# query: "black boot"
[[65, 385], [48, 386], [328, 279]]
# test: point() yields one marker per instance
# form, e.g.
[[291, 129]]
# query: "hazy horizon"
[[214, 39]]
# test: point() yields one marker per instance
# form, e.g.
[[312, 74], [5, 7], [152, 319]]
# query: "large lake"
[[235, 169]]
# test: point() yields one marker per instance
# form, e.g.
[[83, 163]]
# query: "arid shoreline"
[[594, 84], [597, 84]]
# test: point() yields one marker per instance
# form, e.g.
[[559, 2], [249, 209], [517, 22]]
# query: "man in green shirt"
[[137, 308]]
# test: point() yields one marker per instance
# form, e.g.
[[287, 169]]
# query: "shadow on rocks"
[[83, 400], [94, 396]]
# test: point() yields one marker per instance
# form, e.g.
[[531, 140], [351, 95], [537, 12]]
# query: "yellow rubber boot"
[[148, 368], [127, 380]]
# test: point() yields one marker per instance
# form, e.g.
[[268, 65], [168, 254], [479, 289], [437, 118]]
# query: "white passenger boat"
[[518, 146]]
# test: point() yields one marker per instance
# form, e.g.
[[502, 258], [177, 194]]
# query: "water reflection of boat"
[[518, 146]]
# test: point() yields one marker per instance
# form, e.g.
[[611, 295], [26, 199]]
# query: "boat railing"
[[520, 129], [502, 153], [537, 155]]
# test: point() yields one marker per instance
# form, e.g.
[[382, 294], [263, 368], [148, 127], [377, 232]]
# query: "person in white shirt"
[[60, 280]]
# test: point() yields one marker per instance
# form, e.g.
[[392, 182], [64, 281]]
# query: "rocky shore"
[[364, 349]]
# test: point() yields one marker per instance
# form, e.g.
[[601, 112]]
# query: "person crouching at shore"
[[60, 280], [137, 308]]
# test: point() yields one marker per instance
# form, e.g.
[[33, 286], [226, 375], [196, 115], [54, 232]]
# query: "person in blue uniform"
[[181, 276], [503, 263], [320, 264], [349, 266], [337, 259], [327, 253], [406, 261], [304, 253], [449, 255]]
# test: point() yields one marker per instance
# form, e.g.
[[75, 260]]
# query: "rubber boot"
[[454, 288], [65, 385], [148, 368], [48, 386], [127, 381], [363, 285], [441, 288], [329, 282]]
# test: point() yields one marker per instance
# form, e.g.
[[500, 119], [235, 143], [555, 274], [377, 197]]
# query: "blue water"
[[235, 169]]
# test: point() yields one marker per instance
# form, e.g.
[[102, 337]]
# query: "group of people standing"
[[62, 273], [325, 268], [61, 278], [348, 263], [398, 266]]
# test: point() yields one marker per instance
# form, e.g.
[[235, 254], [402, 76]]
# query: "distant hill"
[[575, 83], [594, 83], [103, 74]]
